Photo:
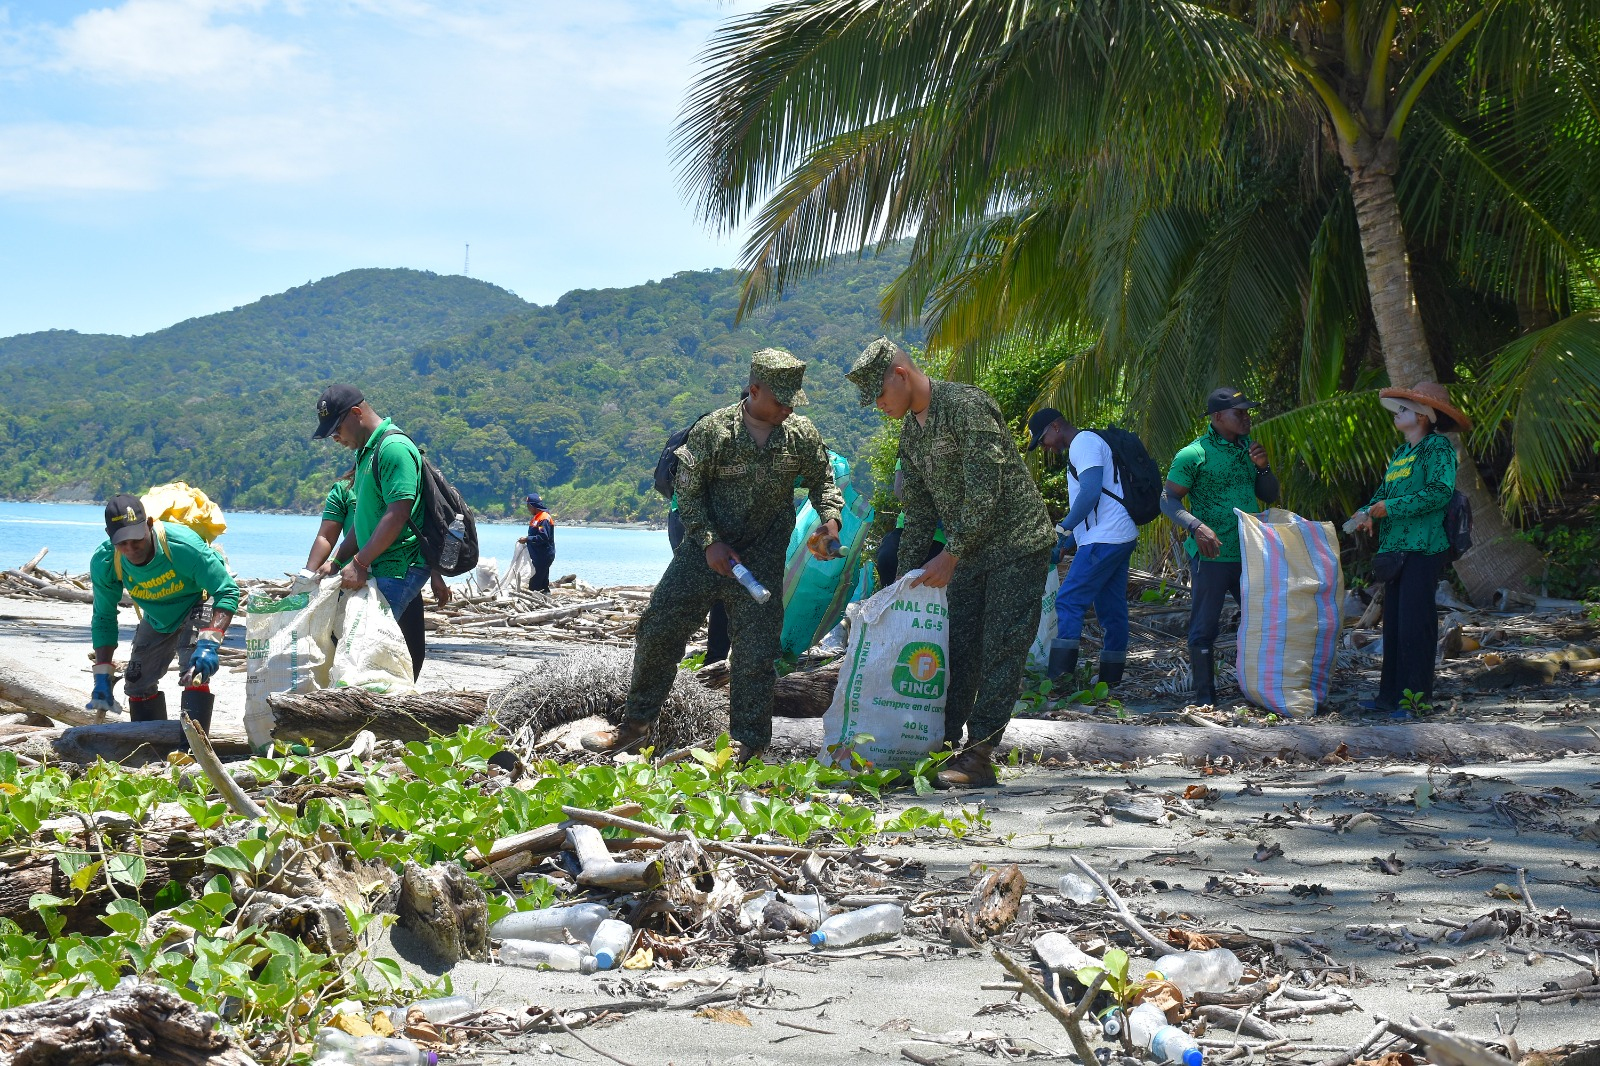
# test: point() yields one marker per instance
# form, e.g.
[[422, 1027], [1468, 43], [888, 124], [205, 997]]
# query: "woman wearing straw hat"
[[1408, 513]]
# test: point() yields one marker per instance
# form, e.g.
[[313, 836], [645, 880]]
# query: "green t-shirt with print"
[[1416, 490], [1221, 476]]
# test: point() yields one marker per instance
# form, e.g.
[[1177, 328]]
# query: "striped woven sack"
[[1292, 591]]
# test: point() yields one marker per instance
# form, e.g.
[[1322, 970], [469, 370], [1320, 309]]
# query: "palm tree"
[[1162, 173]]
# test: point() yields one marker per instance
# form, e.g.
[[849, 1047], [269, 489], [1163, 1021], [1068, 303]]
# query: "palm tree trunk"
[[1499, 558]]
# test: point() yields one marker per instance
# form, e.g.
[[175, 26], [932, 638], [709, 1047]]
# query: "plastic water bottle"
[[1112, 1021], [834, 548], [880, 922], [442, 1010], [611, 942], [450, 550], [1079, 890], [813, 907], [538, 955], [554, 925], [756, 589], [336, 1048], [1216, 970], [1148, 1028]]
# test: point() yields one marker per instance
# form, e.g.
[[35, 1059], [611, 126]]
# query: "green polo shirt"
[[1220, 476], [398, 477], [166, 588], [338, 506], [1416, 490]]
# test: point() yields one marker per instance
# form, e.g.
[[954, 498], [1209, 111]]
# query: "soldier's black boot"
[[1111, 672], [1063, 660], [1202, 666], [197, 704], [148, 708]]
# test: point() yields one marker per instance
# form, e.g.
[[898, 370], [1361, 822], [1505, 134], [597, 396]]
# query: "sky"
[[161, 159]]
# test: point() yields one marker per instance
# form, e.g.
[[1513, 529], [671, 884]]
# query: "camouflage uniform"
[[731, 489], [962, 469]]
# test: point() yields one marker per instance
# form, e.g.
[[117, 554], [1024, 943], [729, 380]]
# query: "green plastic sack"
[[815, 591]]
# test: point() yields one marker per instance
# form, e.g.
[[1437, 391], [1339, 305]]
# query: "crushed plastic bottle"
[[336, 1048], [756, 589], [813, 907], [1079, 890], [610, 943], [538, 955], [1148, 1028], [456, 537], [879, 922], [1216, 970], [442, 1010], [554, 925]]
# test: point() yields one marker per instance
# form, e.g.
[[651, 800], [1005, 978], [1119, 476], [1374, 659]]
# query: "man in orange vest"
[[541, 542]]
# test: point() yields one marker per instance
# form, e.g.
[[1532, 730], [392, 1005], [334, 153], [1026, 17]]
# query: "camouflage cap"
[[871, 367], [781, 373]]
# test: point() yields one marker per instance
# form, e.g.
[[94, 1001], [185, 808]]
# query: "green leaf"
[[85, 876], [129, 869], [44, 899], [229, 858], [390, 969], [125, 916]]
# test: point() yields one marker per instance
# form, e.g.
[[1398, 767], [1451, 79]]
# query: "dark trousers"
[[1410, 630], [540, 581], [717, 641], [411, 627], [1210, 582], [888, 558]]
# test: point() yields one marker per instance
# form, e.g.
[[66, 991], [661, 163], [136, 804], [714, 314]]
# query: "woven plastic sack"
[[815, 591], [1039, 650], [187, 506], [888, 707], [288, 648], [1292, 591], [371, 652]]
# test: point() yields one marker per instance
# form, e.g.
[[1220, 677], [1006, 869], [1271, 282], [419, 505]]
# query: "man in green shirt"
[[388, 499], [737, 473], [1224, 469], [962, 470], [168, 572]]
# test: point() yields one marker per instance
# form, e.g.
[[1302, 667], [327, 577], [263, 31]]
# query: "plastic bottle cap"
[[818, 939], [604, 959], [1194, 1057]]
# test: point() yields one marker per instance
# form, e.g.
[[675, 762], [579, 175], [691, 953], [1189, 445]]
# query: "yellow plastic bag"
[[178, 502]]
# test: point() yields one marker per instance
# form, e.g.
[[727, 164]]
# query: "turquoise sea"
[[269, 545]]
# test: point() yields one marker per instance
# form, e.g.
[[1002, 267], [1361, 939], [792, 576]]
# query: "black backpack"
[[440, 505], [1138, 473], [1458, 526], [667, 465]]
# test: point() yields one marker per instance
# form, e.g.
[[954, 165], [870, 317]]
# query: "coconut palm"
[[1212, 188]]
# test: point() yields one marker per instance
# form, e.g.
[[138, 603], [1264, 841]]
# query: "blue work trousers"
[[1099, 576]]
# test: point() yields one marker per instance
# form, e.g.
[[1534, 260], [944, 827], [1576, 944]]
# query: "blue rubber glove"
[[102, 699], [203, 663]]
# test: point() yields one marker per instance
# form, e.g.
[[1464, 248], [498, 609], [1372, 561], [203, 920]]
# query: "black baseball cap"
[[535, 499], [1042, 420], [125, 519], [1228, 398], [334, 403]]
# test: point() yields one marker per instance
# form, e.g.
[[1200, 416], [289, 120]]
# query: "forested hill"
[[573, 399]]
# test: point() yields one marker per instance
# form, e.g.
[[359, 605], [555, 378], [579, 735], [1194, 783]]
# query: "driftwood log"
[[140, 1025], [42, 695], [136, 743], [332, 716], [805, 694], [1443, 742]]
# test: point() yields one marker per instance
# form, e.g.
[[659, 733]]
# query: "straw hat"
[[1431, 401]]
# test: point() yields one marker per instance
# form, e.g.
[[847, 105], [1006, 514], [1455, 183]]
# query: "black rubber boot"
[[197, 704], [1111, 672], [1063, 660], [1202, 666], [153, 709]]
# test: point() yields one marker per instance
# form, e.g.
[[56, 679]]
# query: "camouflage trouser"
[[994, 617], [677, 608]]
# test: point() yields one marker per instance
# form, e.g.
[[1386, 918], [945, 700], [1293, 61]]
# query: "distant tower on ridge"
[[466, 262]]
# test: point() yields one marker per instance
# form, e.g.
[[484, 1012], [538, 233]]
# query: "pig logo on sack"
[[920, 672]]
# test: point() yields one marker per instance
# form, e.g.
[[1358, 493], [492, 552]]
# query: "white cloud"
[[43, 159], [172, 41]]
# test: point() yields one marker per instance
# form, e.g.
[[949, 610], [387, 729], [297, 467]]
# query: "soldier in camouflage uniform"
[[962, 469], [737, 473]]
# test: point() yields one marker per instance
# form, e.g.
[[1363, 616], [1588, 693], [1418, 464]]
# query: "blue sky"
[[161, 159]]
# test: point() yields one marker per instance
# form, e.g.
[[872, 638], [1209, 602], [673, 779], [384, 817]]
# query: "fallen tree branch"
[[1123, 914], [1068, 1019], [206, 758]]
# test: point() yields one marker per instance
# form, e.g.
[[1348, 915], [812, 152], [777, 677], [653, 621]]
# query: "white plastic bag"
[[487, 576], [893, 682], [372, 652], [1039, 650], [516, 575], [288, 645]]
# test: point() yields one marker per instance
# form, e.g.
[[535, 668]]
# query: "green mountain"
[[573, 399]]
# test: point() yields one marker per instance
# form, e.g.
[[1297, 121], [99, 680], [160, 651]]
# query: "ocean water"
[[269, 545]]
